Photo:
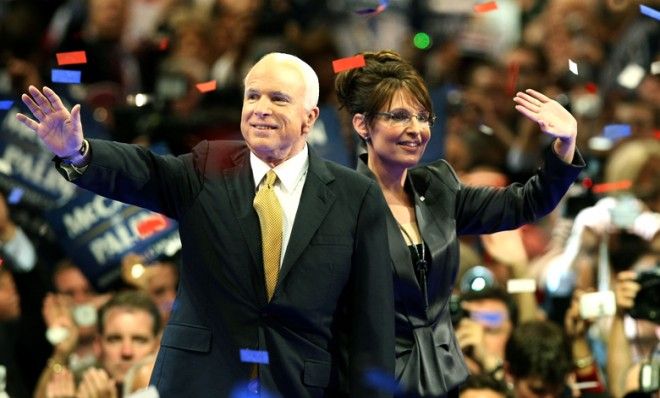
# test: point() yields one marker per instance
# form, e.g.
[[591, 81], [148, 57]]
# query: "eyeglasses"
[[403, 117]]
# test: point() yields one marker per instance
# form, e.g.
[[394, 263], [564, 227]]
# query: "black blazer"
[[429, 361], [331, 316]]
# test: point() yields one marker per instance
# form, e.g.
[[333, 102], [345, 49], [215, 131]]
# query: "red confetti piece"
[[207, 86], [612, 186], [343, 64], [71, 58], [591, 87], [485, 7], [587, 182], [657, 134], [512, 81]]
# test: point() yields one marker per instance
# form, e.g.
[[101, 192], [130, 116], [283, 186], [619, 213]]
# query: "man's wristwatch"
[[79, 158]]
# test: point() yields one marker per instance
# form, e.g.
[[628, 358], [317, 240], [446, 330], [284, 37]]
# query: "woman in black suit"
[[391, 110]]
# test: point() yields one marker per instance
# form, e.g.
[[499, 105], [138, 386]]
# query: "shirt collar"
[[288, 172]]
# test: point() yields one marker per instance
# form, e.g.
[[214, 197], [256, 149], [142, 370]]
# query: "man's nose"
[[127, 349], [262, 107]]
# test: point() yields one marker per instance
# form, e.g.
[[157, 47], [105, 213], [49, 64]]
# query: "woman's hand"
[[553, 119]]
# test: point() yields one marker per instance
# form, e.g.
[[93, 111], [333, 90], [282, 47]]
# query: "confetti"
[[207, 86], [631, 76], [372, 11], [615, 132], [381, 381], [6, 104], [485, 7], [65, 76], [648, 11], [521, 286], [254, 356], [512, 78], [655, 68], [71, 58], [591, 87], [612, 186], [343, 64], [490, 318], [15, 196], [572, 66]]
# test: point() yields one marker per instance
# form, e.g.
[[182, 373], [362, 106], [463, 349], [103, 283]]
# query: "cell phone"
[[649, 377], [598, 304]]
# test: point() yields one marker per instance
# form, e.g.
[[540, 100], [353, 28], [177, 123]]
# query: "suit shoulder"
[[215, 156], [440, 171]]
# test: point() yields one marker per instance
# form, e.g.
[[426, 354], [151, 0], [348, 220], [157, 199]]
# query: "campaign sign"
[[97, 233]]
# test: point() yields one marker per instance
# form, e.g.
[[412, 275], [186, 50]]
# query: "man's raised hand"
[[59, 129]]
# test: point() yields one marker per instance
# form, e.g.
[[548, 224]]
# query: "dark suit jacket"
[[429, 361], [331, 315]]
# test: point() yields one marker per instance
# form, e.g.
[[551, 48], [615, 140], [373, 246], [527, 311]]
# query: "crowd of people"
[[477, 161]]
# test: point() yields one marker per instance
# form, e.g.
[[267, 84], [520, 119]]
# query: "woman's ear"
[[360, 126]]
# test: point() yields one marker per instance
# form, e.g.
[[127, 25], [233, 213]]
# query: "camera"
[[647, 301], [456, 311]]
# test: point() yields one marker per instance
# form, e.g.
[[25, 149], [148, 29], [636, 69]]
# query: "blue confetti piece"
[[381, 381], [490, 318], [15, 196], [254, 356], [65, 76], [646, 10], [615, 132], [6, 104], [249, 389]]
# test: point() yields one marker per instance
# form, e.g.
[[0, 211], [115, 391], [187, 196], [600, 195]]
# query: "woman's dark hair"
[[367, 89]]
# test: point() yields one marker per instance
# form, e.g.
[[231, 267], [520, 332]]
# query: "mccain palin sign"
[[96, 233]]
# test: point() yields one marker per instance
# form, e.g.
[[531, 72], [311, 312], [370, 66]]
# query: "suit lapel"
[[428, 214], [315, 202], [399, 252], [240, 186]]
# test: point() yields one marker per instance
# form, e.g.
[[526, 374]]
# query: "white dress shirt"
[[291, 176]]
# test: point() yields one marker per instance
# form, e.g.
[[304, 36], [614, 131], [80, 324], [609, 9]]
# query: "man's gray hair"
[[310, 79]]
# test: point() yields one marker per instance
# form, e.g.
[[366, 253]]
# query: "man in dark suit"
[[328, 318]]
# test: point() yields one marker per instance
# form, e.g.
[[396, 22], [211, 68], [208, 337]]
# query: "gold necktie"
[[270, 218]]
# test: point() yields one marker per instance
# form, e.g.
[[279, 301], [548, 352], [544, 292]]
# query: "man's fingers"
[[75, 118], [41, 100], [54, 99], [33, 107], [29, 123], [627, 276]]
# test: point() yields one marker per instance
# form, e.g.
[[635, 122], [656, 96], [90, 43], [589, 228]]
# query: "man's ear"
[[310, 118], [360, 126]]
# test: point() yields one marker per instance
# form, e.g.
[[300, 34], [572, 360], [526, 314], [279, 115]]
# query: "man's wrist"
[[80, 158]]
